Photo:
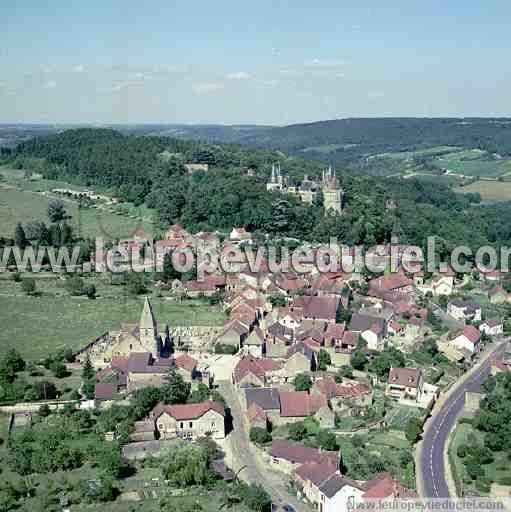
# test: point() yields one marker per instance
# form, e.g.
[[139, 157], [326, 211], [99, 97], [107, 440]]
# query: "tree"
[[56, 211], [359, 359], [201, 394], [298, 431], [390, 357], [327, 440], [59, 370], [20, 240], [413, 429], [66, 234], [88, 372], [74, 285], [90, 291], [259, 435], [44, 411], [89, 388], [344, 372], [175, 390], [303, 382], [254, 497], [135, 284], [324, 360], [186, 465], [28, 285], [277, 300]]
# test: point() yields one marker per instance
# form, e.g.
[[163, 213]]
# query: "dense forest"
[[150, 170]]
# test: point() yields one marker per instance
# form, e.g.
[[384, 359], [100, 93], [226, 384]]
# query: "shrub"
[[259, 435]]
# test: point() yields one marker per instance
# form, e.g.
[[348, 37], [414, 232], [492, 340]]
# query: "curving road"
[[432, 467]]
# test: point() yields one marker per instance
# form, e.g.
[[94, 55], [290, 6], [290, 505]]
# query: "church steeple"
[[149, 329]]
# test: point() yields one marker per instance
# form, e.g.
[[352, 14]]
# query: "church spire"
[[147, 320], [149, 330]]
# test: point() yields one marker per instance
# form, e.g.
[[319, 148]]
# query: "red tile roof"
[[471, 333], [300, 454], [188, 411], [384, 486], [300, 403], [316, 473], [258, 367], [186, 362], [408, 377], [318, 307], [105, 391]]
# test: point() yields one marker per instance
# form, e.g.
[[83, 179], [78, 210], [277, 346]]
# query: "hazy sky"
[[264, 61]]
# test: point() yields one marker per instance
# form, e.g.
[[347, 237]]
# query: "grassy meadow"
[[23, 200], [38, 325], [491, 191]]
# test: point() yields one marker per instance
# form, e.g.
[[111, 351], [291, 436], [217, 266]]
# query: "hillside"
[[149, 171]]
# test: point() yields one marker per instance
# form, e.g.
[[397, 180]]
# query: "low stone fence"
[[53, 405]]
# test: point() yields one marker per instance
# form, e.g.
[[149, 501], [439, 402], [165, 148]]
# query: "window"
[[213, 424], [191, 424], [181, 425]]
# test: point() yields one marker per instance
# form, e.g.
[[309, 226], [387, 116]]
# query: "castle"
[[333, 196]]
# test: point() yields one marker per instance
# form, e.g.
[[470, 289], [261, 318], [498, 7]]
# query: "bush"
[[259, 435], [28, 286], [462, 451], [483, 485], [225, 349]]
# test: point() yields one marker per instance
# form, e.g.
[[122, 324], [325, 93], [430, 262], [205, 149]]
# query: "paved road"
[[239, 454], [432, 453]]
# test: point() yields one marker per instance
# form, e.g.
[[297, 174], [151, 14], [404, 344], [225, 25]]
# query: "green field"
[[23, 200], [473, 162], [399, 416], [37, 326], [491, 191], [409, 155]]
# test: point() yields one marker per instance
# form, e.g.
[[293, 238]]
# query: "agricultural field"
[[23, 200], [473, 162], [410, 155], [37, 326], [491, 191], [398, 416]]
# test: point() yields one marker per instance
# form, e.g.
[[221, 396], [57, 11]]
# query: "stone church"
[[130, 338]]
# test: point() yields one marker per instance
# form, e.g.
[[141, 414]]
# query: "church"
[[131, 338]]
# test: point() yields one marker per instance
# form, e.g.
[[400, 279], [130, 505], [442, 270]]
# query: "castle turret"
[[149, 330], [332, 195], [276, 181]]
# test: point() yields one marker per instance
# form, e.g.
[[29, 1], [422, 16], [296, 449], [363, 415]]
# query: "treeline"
[[151, 171]]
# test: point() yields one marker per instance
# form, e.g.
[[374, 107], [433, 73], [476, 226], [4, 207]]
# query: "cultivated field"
[[473, 162], [37, 326], [491, 191]]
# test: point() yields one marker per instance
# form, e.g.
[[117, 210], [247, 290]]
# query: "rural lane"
[[240, 455]]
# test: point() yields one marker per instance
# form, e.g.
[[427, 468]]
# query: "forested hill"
[[150, 170], [355, 138]]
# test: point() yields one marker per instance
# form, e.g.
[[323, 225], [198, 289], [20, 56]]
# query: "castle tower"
[[332, 195], [149, 330]]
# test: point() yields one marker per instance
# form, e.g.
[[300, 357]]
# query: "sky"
[[238, 62]]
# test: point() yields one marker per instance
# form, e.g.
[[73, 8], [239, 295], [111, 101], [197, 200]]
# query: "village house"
[[297, 405], [255, 343], [492, 327], [371, 329], [189, 421], [287, 456], [349, 398], [208, 287], [500, 365], [239, 235], [300, 358], [266, 400], [397, 282], [464, 310], [318, 308], [233, 334], [497, 295], [468, 339], [405, 383], [253, 372]]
